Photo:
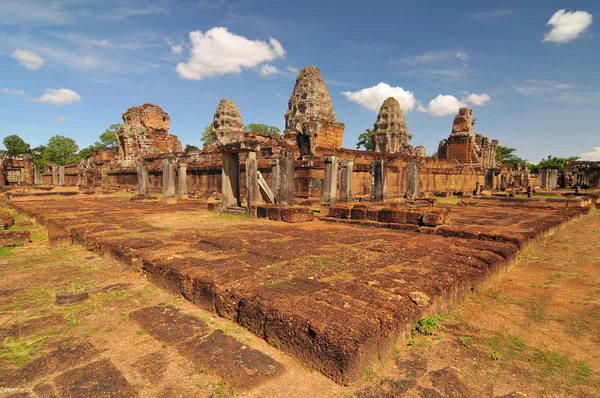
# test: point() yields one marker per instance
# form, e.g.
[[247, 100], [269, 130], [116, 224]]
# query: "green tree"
[[365, 140], [189, 148], [505, 155], [15, 145], [61, 150], [39, 156], [108, 139], [262, 129], [205, 137], [552, 162]]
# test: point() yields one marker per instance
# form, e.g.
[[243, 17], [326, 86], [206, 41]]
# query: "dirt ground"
[[534, 330]]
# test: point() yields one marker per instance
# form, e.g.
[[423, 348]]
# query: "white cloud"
[[61, 119], [123, 13], [292, 69], [462, 56], [219, 52], [442, 105], [567, 26], [492, 14], [372, 97], [475, 99], [60, 96], [177, 49], [28, 59], [268, 71], [594, 155], [13, 92], [428, 57]]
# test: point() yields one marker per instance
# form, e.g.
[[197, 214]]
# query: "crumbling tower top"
[[390, 133], [463, 122], [227, 125], [310, 101]]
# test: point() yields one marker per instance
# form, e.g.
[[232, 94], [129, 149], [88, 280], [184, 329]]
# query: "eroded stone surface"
[[168, 324], [97, 379], [390, 133], [240, 366]]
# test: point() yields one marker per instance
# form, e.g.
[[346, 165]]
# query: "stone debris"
[[65, 299]]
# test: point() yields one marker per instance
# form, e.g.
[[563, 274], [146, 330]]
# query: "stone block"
[[275, 213], [414, 217], [435, 217], [359, 212], [214, 206], [14, 238], [6, 220], [340, 211], [294, 214], [262, 211], [391, 215]]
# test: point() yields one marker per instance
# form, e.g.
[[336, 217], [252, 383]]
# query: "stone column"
[[330, 180], [37, 177], [168, 177], [275, 177], [54, 175], [61, 175], [379, 180], [182, 189], [412, 179], [346, 181], [252, 188], [142, 175], [285, 188]]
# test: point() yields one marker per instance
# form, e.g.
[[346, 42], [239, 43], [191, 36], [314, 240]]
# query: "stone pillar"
[[61, 175], [2, 175], [330, 180], [275, 177], [379, 180], [529, 191], [346, 181], [142, 175], [477, 191], [37, 176], [285, 188], [182, 189], [54, 175], [230, 180], [252, 189], [168, 177], [412, 179]]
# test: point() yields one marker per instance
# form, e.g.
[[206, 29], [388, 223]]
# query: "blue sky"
[[528, 69]]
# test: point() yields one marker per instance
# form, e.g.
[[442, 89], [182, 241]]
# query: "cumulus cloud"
[[442, 105], [371, 98], [292, 69], [594, 155], [567, 26], [61, 119], [28, 59], [60, 96], [268, 70], [219, 52], [476, 99]]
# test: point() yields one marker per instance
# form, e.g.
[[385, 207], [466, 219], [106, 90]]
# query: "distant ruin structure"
[[390, 134], [145, 132]]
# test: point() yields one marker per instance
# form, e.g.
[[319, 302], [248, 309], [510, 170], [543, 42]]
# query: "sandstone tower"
[[390, 133], [227, 125], [145, 132], [310, 118]]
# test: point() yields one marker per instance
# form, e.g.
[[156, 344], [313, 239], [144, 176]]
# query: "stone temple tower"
[[390, 133], [310, 119]]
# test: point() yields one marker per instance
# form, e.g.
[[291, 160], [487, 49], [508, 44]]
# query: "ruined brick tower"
[[227, 125], [310, 118], [390, 133], [145, 132], [465, 146]]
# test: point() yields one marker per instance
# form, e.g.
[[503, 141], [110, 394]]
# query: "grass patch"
[[18, 352], [221, 390], [465, 341], [429, 325]]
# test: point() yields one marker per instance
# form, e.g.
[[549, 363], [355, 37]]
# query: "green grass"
[[465, 341], [18, 352]]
